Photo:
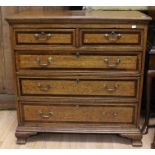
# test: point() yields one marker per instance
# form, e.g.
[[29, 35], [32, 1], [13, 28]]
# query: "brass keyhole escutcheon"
[[77, 54]]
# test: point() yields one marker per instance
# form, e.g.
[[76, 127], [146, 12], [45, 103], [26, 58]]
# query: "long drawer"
[[112, 37], [78, 86], [79, 60], [78, 113]]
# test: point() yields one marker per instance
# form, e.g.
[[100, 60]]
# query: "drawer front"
[[58, 37], [79, 61], [78, 87], [72, 113], [93, 37]]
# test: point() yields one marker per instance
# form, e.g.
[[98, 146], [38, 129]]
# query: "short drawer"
[[60, 37], [80, 61], [101, 37], [78, 86], [78, 113]]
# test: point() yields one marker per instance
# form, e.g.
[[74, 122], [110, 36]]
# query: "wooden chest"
[[79, 71]]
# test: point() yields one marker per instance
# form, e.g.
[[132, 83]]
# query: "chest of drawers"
[[79, 72]]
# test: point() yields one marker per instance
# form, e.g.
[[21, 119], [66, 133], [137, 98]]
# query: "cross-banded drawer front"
[[76, 113], [60, 37], [93, 37], [79, 60], [78, 87]]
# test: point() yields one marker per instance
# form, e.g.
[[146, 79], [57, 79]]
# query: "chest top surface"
[[78, 16]]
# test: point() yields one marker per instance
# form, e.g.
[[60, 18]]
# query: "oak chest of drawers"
[[79, 71]]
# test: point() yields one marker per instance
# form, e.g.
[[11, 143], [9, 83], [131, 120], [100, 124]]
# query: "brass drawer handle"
[[104, 113], [113, 37], [45, 116], [49, 60], [114, 114], [44, 88], [111, 88], [112, 64], [42, 36]]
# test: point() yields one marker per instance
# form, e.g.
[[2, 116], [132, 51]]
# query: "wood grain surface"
[[79, 61]]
